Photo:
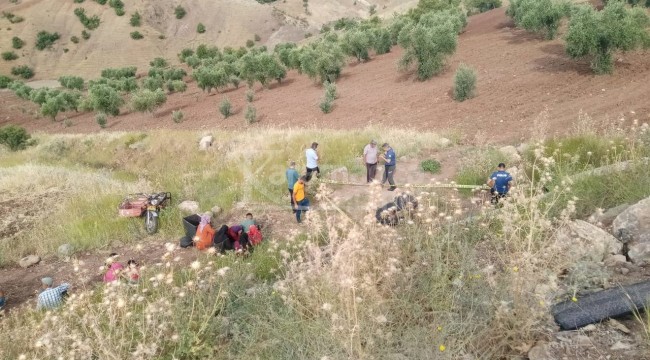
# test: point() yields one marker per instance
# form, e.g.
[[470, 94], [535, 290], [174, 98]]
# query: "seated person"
[[3, 300], [205, 232], [248, 222], [132, 271], [51, 297], [114, 268]]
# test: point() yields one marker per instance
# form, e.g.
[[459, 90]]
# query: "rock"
[[589, 328], [511, 153], [190, 207], [609, 215], [206, 142], [340, 174], [583, 340], [65, 250], [585, 241], [444, 142], [522, 148], [29, 260], [618, 326], [613, 260], [625, 271], [632, 226], [540, 352], [620, 346], [138, 145], [216, 210]]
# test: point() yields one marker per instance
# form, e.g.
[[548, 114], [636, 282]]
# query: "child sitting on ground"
[[132, 272], [114, 268]]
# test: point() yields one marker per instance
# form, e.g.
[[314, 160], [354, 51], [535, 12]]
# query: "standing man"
[[300, 198], [51, 298], [389, 166], [370, 159], [292, 179], [312, 161], [499, 183]]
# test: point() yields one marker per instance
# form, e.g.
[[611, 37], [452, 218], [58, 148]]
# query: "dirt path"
[[519, 77]]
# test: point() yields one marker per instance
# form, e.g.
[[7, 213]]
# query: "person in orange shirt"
[[205, 232], [300, 198]]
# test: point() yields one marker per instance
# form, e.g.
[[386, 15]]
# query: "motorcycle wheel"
[[151, 223]]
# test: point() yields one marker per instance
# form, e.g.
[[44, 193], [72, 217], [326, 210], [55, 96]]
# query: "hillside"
[[228, 23], [521, 78]]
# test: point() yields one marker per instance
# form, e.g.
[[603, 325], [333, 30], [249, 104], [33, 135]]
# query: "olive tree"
[[357, 43], [104, 99], [597, 35], [146, 100], [539, 16]]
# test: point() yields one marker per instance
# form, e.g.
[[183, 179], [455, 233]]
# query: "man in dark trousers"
[[312, 161], [389, 166], [292, 179], [499, 183], [370, 159]]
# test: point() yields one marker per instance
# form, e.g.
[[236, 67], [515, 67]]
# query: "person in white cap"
[[370, 159], [51, 297]]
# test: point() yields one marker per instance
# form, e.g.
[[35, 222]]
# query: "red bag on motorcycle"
[[254, 235]]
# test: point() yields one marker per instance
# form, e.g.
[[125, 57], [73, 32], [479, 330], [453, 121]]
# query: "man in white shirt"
[[370, 159], [312, 161]]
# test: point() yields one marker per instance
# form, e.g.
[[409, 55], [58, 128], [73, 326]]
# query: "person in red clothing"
[[204, 233]]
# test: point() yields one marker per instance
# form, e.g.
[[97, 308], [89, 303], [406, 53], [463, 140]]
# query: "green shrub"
[[235, 80], [200, 28], [250, 95], [14, 137], [136, 19], [74, 39], [9, 56], [45, 39], [330, 90], [104, 99], [357, 43], [326, 105], [5, 81], [251, 114], [14, 19], [146, 100], [180, 12], [225, 108], [67, 123], [177, 116], [431, 166], [176, 86], [135, 35], [17, 42], [464, 83], [250, 43], [101, 2], [430, 6], [428, 43], [184, 54], [482, 5], [78, 1], [90, 23], [159, 62], [120, 11], [85, 34], [72, 82], [20, 89], [597, 35], [153, 83], [210, 77], [101, 120], [118, 6], [119, 73], [23, 71], [539, 16]]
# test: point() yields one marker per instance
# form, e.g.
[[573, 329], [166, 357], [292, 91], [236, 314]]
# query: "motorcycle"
[[147, 206]]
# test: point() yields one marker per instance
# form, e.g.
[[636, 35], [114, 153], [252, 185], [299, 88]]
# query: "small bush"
[[330, 90], [250, 43], [177, 116], [4, 81], [101, 120], [101, 2], [85, 34], [153, 82], [464, 83], [176, 86], [180, 12], [482, 5], [250, 95], [135, 35], [200, 28], [74, 39], [90, 23], [23, 71], [120, 12], [159, 62], [17, 42], [251, 114], [184, 54], [538, 16], [147, 100], [14, 19], [225, 108], [78, 1], [431, 166], [67, 123], [257, 37], [72, 82], [119, 73], [45, 39], [327, 105], [136, 19], [9, 56], [14, 137]]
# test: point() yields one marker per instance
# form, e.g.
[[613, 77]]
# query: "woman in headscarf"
[[205, 232], [114, 268]]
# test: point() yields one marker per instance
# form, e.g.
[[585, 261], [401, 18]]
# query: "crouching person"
[[204, 232], [51, 297]]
